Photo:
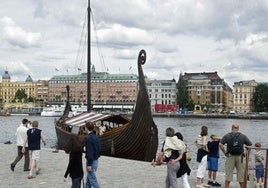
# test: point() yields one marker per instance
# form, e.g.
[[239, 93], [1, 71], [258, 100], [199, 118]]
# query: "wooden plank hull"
[[135, 139]]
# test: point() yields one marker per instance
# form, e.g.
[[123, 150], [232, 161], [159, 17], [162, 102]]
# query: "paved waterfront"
[[112, 172]]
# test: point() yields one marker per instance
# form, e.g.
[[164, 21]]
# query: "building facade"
[[41, 94], [9, 89], [108, 91], [243, 94], [161, 92], [208, 90]]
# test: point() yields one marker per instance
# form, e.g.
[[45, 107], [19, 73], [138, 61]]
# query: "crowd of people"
[[29, 138], [232, 146], [173, 154]]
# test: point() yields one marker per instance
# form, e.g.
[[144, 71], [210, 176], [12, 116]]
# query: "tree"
[[260, 98], [182, 93], [30, 99], [20, 95]]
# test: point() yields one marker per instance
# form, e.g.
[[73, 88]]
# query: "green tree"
[[182, 93], [20, 95], [30, 99], [260, 98]]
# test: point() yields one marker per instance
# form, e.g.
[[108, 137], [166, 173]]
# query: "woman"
[[75, 167], [184, 170], [201, 144], [171, 154]]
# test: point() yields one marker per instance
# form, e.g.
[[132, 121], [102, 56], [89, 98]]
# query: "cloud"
[[18, 70], [16, 36], [178, 36], [118, 36]]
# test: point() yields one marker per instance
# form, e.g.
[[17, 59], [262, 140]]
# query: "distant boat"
[[78, 110], [4, 113], [52, 111]]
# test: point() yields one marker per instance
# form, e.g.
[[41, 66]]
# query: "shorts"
[[259, 171], [234, 161], [213, 163], [35, 154]]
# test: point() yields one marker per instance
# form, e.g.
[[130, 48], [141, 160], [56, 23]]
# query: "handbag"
[[188, 157]]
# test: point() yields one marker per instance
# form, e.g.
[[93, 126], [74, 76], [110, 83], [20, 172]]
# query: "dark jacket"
[[184, 168], [75, 167], [92, 148]]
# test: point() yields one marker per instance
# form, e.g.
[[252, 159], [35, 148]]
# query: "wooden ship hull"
[[135, 138]]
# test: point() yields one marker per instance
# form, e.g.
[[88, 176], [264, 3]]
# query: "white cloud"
[[178, 36], [16, 36]]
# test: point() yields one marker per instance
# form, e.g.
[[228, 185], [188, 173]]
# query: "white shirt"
[[21, 135], [173, 143]]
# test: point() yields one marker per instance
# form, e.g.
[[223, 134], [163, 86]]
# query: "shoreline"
[[177, 115], [219, 116]]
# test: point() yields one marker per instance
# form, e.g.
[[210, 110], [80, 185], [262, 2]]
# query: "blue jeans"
[[76, 182], [92, 181]]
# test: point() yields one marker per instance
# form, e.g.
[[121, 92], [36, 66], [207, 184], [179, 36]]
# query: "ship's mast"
[[88, 60]]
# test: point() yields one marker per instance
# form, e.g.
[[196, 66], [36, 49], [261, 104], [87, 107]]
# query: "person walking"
[[259, 158], [201, 158], [34, 135], [184, 170], [212, 160], [75, 167], [234, 153], [21, 134], [92, 156]]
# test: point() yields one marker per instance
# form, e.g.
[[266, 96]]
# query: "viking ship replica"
[[135, 138]]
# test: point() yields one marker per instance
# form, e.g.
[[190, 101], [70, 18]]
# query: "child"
[[213, 157], [259, 164]]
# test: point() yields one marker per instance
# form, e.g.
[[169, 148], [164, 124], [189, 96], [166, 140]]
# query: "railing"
[[247, 168]]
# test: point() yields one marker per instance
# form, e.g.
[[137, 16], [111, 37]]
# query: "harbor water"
[[190, 127]]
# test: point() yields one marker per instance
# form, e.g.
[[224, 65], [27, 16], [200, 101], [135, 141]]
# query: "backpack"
[[235, 147]]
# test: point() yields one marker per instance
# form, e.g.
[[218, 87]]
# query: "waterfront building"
[[243, 94], [9, 89], [108, 91], [208, 90], [161, 92], [41, 94]]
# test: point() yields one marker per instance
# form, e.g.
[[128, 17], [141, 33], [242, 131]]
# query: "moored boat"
[[52, 111], [4, 113], [135, 138]]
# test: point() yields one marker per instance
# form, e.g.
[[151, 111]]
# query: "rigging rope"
[[82, 49], [98, 44]]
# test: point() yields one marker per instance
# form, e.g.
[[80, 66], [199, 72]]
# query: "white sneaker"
[[205, 185]]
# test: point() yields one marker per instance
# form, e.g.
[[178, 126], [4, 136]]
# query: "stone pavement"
[[112, 172]]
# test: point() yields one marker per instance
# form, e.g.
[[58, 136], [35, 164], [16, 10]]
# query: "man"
[[34, 135], [92, 156], [21, 135], [235, 153]]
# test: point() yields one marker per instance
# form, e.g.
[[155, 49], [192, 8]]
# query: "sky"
[[42, 38]]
